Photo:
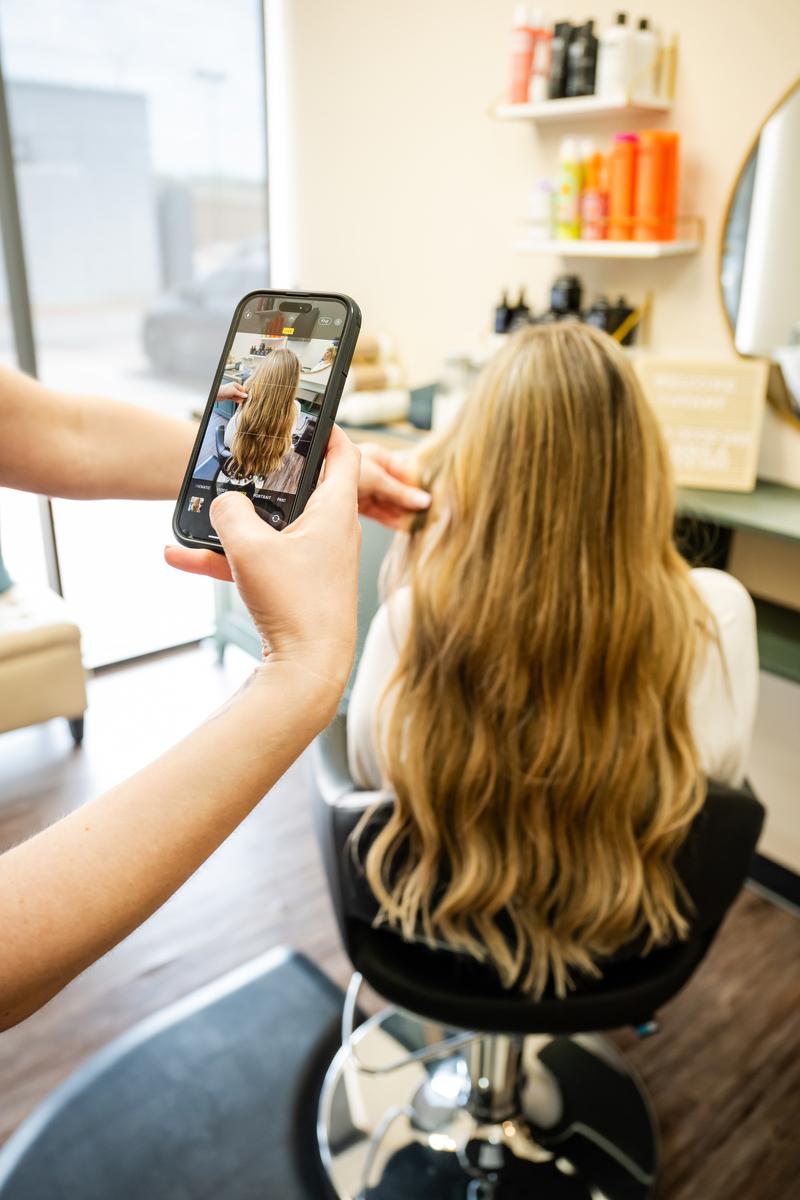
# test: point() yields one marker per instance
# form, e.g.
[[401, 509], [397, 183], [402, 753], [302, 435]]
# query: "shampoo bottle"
[[570, 182], [541, 211], [616, 61], [558, 60], [523, 40], [540, 69], [582, 61], [647, 72], [656, 186], [622, 186], [594, 200]]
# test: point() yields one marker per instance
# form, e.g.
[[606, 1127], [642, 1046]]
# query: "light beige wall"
[[391, 181]]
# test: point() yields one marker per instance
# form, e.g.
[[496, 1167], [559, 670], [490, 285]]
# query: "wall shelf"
[[568, 248], [583, 107]]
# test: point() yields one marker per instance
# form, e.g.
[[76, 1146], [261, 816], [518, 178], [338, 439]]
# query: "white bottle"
[[616, 61], [540, 66], [542, 211], [647, 73]]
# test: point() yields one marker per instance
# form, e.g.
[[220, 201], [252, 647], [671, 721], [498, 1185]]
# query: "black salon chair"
[[462, 1089], [220, 449], [301, 441]]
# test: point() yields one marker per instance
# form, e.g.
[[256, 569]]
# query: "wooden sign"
[[711, 414]]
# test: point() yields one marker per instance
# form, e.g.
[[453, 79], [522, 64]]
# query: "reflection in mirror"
[[760, 263]]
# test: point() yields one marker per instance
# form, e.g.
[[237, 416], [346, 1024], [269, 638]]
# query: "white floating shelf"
[[577, 106], [568, 248]]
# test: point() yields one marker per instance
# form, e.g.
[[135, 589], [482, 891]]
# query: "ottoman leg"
[[76, 729]]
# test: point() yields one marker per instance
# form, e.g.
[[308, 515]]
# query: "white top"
[[722, 700]]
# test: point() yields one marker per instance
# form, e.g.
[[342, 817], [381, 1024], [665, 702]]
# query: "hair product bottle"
[[582, 61], [565, 296], [502, 315], [646, 66], [519, 314], [523, 41], [558, 60], [542, 52], [622, 186], [616, 61], [594, 199], [656, 186], [570, 181], [541, 211]]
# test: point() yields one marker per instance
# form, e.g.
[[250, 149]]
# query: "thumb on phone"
[[239, 526]]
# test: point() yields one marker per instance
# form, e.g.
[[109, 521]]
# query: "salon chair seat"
[[463, 1089]]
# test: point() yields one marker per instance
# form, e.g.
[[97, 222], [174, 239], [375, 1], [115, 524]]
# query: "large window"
[[139, 144]]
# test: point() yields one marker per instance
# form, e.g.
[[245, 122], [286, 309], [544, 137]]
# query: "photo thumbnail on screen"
[[265, 412]]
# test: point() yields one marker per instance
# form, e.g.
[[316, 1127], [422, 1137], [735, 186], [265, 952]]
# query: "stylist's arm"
[[72, 892]]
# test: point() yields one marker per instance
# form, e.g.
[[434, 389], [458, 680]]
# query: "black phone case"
[[327, 416]]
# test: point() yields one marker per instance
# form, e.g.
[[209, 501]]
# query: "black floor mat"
[[211, 1098]]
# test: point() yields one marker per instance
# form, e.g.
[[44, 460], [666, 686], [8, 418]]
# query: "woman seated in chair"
[[548, 686], [259, 434]]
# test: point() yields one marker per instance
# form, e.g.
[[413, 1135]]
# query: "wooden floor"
[[724, 1073]]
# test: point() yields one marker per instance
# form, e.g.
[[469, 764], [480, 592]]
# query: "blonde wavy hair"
[[266, 418], [536, 729]]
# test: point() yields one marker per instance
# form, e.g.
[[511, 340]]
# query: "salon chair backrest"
[[454, 989]]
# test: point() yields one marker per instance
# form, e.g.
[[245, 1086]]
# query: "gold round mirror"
[[759, 268]]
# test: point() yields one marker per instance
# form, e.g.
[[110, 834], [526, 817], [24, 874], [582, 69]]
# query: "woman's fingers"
[[198, 562], [385, 492], [405, 495]]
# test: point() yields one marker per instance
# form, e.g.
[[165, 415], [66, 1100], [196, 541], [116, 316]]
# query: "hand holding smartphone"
[[271, 409]]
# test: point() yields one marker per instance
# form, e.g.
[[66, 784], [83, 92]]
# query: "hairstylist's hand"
[[386, 491], [298, 584], [232, 391]]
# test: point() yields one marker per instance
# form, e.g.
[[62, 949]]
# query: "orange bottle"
[[672, 143], [523, 43], [594, 200], [622, 186], [656, 186]]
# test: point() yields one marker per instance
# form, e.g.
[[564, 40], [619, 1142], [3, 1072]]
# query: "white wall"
[[391, 181]]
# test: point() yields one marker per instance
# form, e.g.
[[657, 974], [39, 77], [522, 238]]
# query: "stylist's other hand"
[[386, 491], [232, 391], [299, 584]]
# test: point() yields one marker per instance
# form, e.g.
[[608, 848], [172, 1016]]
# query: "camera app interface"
[[266, 409]]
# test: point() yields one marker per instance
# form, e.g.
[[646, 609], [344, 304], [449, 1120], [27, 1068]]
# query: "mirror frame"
[[776, 387]]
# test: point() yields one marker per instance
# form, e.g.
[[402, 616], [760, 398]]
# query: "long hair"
[[536, 731], [266, 418]]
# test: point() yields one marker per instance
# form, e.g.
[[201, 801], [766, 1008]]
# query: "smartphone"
[[271, 408]]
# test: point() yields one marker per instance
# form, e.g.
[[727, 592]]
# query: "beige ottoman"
[[41, 673]]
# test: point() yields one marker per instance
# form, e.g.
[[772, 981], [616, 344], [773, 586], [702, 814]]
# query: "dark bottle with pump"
[[557, 85], [520, 314], [565, 295], [598, 314], [582, 61], [502, 315]]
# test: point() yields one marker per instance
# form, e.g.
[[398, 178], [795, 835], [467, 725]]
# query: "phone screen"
[[266, 408]]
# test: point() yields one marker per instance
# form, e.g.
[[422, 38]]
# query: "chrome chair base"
[[411, 1111]]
